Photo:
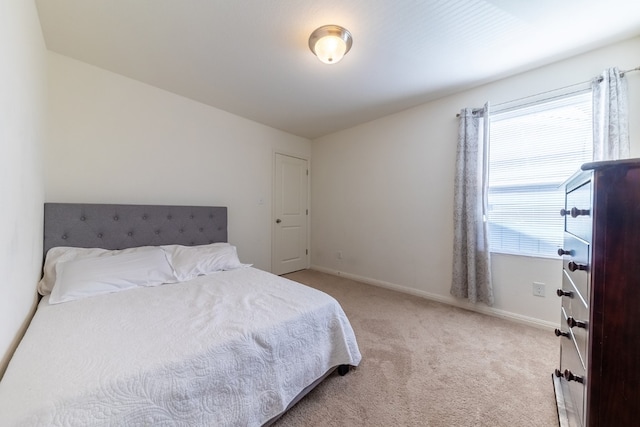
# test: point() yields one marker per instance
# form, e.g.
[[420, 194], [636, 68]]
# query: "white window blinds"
[[532, 150]]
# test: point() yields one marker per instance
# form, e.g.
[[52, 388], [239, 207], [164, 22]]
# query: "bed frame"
[[114, 226]]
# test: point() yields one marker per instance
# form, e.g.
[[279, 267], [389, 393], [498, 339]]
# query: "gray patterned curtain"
[[610, 116], [471, 258]]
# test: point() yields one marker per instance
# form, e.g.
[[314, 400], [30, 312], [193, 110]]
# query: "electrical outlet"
[[539, 289], [339, 255]]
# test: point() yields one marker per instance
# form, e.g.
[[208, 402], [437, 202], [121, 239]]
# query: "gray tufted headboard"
[[124, 226]]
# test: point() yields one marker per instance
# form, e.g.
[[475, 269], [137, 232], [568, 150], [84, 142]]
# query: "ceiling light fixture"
[[330, 43]]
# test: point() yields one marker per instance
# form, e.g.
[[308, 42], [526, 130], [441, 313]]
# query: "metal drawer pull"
[[575, 266], [562, 293], [564, 252], [575, 212], [560, 333], [568, 375], [573, 323]]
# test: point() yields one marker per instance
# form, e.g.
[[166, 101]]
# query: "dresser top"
[[600, 166], [630, 163]]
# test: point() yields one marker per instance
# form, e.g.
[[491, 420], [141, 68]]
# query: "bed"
[[120, 339]]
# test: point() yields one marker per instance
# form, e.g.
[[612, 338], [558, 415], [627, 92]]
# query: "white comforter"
[[229, 349]]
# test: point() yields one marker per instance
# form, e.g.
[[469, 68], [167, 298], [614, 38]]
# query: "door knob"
[[278, 221]]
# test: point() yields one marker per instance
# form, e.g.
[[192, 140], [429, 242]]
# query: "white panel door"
[[290, 250]]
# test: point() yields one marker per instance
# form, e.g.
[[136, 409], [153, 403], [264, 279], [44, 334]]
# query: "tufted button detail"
[[64, 237], [82, 218], [211, 216], [100, 235], [192, 243], [201, 230], [130, 234], [191, 216], [168, 216], [144, 217], [115, 218], [181, 230], [157, 232]]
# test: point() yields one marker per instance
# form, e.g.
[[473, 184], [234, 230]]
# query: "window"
[[532, 150]]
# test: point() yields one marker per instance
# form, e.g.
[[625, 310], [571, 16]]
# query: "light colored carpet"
[[430, 364]]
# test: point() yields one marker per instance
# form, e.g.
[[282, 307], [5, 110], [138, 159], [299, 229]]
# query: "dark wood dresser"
[[598, 380]]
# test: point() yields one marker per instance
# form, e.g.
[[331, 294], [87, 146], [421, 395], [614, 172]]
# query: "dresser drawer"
[[577, 266], [575, 313], [577, 211], [570, 363]]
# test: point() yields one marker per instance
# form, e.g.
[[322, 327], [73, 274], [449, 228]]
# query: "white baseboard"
[[450, 300]]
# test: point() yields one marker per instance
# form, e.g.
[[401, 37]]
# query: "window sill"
[[556, 257]]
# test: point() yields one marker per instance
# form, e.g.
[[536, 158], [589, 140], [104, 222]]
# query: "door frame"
[[273, 204]]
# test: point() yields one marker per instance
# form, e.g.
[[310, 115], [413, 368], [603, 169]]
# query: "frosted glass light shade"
[[330, 43], [330, 49]]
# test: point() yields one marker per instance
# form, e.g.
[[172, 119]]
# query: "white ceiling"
[[251, 58]]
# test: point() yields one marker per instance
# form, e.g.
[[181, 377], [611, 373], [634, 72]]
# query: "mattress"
[[231, 348]]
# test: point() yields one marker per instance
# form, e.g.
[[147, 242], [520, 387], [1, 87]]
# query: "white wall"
[[22, 126], [383, 192], [116, 140]]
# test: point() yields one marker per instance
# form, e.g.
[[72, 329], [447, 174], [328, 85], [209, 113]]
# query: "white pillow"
[[189, 262], [60, 254], [170, 249], [87, 277]]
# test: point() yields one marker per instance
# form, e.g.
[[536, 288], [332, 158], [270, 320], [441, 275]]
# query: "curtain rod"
[[599, 78]]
